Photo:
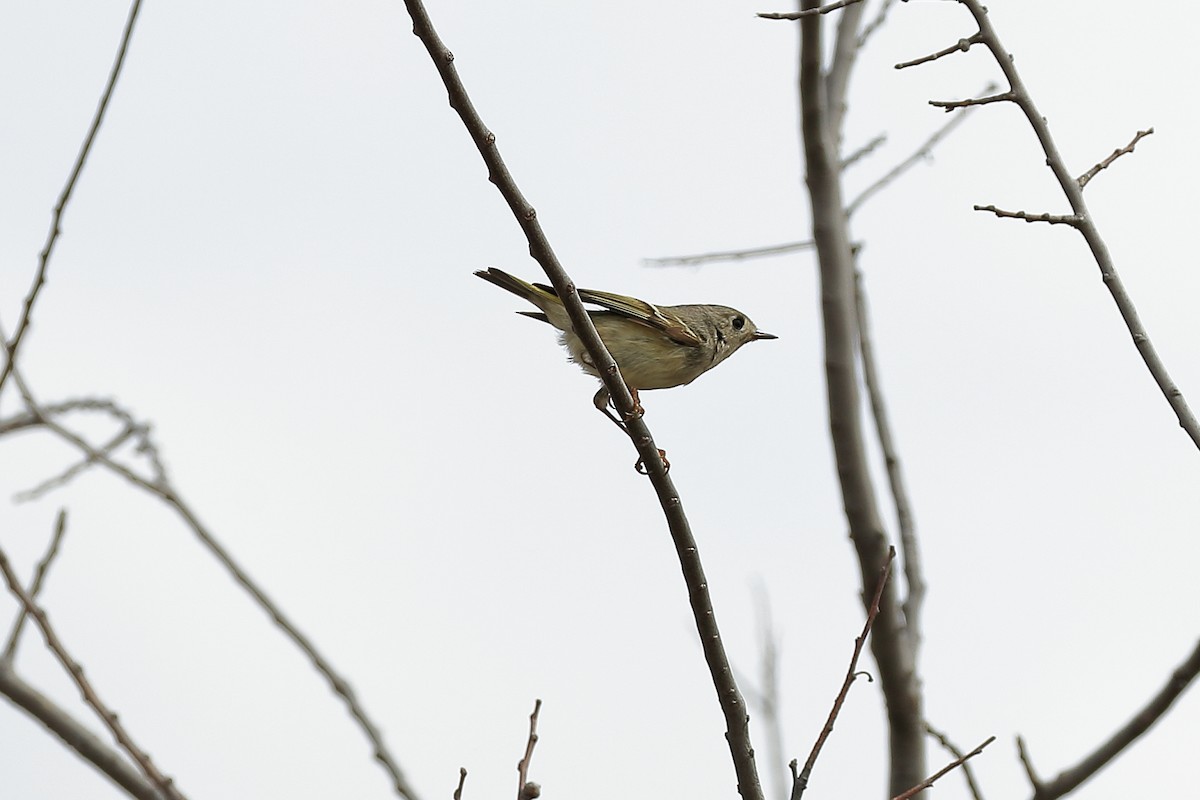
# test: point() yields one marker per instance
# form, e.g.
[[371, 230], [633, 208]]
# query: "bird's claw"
[[640, 466]]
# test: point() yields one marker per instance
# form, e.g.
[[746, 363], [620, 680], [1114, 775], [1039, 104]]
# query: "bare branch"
[[1070, 779], [921, 153], [899, 679], [968, 773], [1082, 221], [526, 789], [876, 23], [462, 779], [727, 255], [55, 225], [863, 151], [75, 735], [86, 690], [1073, 220], [962, 46], [35, 588], [1083, 179], [925, 784], [733, 708], [950, 105], [801, 781], [913, 572], [809, 12], [64, 477]]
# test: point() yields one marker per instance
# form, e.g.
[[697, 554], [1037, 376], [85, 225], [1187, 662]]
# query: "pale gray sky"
[[269, 256]]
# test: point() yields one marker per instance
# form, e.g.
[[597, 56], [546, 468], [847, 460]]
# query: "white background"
[[269, 256]]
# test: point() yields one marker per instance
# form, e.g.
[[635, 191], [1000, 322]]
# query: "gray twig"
[[527, 789], [727, 255], [968, 773], [925, 784], [1091, 173], [35, 588], [39, 279], [808, 12]]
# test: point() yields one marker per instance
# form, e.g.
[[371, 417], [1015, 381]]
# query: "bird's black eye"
[[738, 323]]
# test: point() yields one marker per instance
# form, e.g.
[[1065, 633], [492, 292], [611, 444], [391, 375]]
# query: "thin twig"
[[876, 23], [733, 708], [1083, 179], [950, 105], [64, 477], [968, 773], [921, 153], [462, 779], [863, 151], [925, 784], [1074, 220], [1070, 779], [35, 588], [527, 790], [727, 255], [56, 221], [914, 600], [961, 46], [801, 781], [809, 12], [86, 690]]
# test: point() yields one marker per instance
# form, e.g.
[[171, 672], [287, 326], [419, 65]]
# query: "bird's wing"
[[641, 311]]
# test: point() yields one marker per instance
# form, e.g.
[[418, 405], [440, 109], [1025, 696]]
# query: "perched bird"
[[656, 347]]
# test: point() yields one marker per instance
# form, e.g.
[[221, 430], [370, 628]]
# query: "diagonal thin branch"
[[920, 154], [968, 773], [35, 588], [75, 735], [800, 783], [733, 707], [1070, 779], [86, 690], [925, 784], [55, 225], [1083, 179]]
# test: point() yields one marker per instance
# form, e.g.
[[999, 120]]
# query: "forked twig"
[[1070, 779], [800, 780]]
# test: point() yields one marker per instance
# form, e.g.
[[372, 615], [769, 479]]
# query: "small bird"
[[656, 347]]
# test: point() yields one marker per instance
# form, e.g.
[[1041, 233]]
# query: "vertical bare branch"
[[889, 643], [733, 707], [35, 588], [39, 279]]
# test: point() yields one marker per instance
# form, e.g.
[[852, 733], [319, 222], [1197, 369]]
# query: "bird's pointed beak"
[[763, 335]]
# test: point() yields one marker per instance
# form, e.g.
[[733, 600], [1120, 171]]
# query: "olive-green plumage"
[[656, 347]]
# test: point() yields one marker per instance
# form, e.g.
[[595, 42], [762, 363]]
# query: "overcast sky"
[[269, 257]]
